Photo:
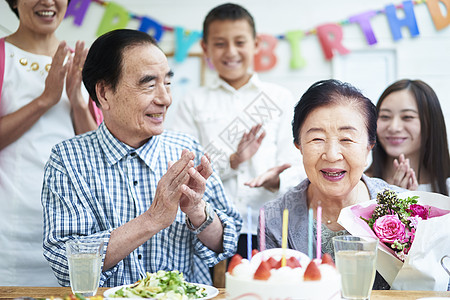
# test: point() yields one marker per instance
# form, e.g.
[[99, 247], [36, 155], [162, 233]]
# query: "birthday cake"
[[263, 277]]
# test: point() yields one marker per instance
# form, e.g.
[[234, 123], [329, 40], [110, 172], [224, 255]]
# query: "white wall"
[[425, 57]]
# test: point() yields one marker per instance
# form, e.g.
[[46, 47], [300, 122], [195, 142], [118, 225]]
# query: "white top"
[[427, 186], [218, 115], [22, 168]]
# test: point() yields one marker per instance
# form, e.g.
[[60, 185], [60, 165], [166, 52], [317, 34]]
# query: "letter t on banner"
[[330, 36], [364, 22], [395, 23], [77, 9]]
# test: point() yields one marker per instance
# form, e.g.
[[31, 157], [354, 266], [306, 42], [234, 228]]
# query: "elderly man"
[[149, 193]]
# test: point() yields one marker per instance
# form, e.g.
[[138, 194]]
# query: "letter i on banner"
[[184, 41], [294, 38], [395, 23], [265, 59], [440, 22], [77, 9], [115, 17]]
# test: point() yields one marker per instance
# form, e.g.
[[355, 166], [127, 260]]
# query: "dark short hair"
[[329, 92], [13, 3], [105, 57], [227, 11], [434, 151]]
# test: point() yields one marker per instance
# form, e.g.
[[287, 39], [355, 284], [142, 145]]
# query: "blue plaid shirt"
[[94, 183]]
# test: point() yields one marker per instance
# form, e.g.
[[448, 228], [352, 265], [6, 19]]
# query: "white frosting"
[[283, 283]]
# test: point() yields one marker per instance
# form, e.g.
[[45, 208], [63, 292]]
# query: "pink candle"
[[319, 232], [262, 230]]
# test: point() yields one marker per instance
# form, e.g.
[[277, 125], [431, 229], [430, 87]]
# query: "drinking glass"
[[356, 261], [443, 263], [85, 262]]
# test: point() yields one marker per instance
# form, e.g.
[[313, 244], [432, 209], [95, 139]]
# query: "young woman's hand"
[[404, 175]]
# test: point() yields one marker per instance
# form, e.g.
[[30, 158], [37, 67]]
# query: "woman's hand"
[[247, 147], [54, 83], [74, 78], [404, 175], [82, 118]]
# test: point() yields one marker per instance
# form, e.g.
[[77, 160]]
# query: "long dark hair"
[[434, 153]]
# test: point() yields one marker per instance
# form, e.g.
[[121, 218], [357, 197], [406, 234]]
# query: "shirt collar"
[[254, 82], [115, 150]]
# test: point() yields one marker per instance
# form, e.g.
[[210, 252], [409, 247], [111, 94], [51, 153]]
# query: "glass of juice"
[[356, 259], [85, 262]]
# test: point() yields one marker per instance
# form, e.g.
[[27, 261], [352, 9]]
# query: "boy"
[[243, 123]]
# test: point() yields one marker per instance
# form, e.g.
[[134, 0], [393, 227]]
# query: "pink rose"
[[418, 210], [389, 228]]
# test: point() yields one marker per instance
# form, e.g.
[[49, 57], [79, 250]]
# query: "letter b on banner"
[[265, 59]]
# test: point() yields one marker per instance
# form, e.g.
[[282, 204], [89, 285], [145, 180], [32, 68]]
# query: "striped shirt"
[[93, 183]]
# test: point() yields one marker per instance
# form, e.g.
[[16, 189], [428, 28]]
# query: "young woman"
[[412, 149]]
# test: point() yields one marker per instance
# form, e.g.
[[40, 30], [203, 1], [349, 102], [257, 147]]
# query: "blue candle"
[[310, 233], [249, 232]]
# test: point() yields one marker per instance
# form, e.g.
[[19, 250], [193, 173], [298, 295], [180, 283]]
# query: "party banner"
[[330, 35]]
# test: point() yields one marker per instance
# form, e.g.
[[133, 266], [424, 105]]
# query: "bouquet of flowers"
[[412, 229]]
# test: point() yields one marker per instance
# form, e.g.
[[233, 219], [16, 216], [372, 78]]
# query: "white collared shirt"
[[217, 116]]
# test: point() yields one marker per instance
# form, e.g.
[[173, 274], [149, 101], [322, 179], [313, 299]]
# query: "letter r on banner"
[[330, 37]]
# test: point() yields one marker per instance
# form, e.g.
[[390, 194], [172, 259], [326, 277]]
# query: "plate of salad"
[[163, 285]]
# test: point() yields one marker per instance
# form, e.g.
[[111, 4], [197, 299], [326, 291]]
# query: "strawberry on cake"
[[263, 278]]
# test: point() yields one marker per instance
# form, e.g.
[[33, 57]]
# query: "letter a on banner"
[[115, 17], [265, 59], [184, 41], [77, 9], [396, 24], [440, 22], [330, 37]]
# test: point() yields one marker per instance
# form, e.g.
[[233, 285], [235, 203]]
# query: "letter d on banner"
[[115, 17], [440, 22]]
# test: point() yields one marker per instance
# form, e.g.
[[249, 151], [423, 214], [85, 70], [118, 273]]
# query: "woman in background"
[[412, 149], [41, 104]]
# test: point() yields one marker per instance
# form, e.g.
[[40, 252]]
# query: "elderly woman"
[[41, 104], [334, 128]]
